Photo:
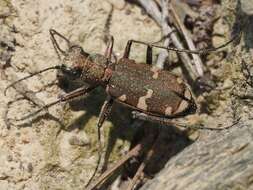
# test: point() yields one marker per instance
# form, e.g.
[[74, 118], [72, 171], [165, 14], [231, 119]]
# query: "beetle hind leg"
[[151, 118], [169, 122]]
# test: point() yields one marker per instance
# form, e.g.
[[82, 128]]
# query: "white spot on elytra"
[[142, 100], [122, 98], [179, 80], [168, 110], [187, 94], [155, 72], [184, 104]]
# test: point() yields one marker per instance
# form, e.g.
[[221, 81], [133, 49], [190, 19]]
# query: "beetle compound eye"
[[77, 71], [72, 72]]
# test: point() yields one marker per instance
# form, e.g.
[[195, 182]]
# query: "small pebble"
[[30, 167], [74, 140]]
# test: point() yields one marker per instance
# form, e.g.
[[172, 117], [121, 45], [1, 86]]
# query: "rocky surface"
[[220, 160], [58, 150], [45, 153]]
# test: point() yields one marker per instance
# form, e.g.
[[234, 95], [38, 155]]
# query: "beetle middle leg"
[[148, 54]]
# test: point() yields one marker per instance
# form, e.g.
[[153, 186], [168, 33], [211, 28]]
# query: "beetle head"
[[78, 67], [69, 54]]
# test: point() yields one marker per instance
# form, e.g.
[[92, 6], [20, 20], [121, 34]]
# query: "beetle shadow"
[[244, 22], [91, 104], [171, 141], [168, 141], [125, 128]]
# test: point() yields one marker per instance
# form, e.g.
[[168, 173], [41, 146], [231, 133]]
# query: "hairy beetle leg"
[[65, 98], [156, 119], [168, 122]]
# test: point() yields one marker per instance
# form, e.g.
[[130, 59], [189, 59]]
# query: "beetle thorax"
[[91, 66]]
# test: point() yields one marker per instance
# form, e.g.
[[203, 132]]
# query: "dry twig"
[[152, 9], [134, 152], [197, 60], [164, 54]]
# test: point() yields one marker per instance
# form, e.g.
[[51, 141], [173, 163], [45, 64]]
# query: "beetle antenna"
[[56, 45], [31, 75], [58, 50]]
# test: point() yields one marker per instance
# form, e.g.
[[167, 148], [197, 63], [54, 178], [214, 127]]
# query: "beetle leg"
[[148, 54], [151, 118], [127, 49], [67, 97], [168, 122], [109, 48], [104, 113], [199, 51]]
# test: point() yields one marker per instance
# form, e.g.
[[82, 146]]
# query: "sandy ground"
[[59, 150], [40, 155]]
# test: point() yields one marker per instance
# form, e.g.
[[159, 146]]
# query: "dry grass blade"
[[197, 60], [152, 9]]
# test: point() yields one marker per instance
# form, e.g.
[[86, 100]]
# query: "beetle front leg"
[[65, 98], [105, 111], [103, 115]]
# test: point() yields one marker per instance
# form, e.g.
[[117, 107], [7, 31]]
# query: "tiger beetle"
[[155, 95]]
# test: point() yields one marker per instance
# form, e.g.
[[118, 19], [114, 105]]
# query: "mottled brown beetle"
[[155, 95], [144, 88]]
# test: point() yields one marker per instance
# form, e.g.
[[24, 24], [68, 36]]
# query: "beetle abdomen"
[[148, 89]]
